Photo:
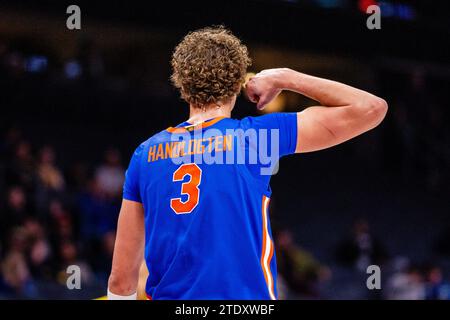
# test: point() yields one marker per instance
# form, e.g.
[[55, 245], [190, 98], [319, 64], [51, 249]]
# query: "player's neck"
[[199, 115]]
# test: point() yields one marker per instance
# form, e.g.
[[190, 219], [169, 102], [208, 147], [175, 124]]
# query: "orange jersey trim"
[[196, 127], [267, 249]]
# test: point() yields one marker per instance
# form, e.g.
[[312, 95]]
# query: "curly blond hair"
[[209, 65]]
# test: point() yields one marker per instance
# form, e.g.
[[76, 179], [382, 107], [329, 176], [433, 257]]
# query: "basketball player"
[[202, 224]]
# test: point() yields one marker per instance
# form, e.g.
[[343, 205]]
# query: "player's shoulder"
[[154, 139], [262, 121], [159, 137]]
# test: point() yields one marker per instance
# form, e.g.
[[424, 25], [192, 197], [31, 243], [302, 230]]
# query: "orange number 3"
[[189, 188]]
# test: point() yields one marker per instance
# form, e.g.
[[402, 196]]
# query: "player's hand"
[[264, 86]]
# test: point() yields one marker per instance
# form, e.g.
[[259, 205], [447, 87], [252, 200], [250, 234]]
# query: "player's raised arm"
[[345, 112], [128, 252]]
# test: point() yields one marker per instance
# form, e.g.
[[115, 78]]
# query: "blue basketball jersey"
[[205, 192]]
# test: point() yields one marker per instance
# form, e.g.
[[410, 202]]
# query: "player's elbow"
[[375, 111], [379, 109]]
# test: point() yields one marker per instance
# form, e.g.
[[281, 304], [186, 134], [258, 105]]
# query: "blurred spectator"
[[49, 175], [361, 249], [299, 270], [68, 256], [21, 167], [12, 138], [39, 251], [15, 212], [14, 267], [406, 284], [109, 175], [61, 223], [77, 177], [436, 287], [50, 179], [98, 214]]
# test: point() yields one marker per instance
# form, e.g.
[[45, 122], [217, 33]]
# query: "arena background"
[[75, 104]]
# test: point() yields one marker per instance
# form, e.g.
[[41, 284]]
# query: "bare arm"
[[128, 250], [346, 112]]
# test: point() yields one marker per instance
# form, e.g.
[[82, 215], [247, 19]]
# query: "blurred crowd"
[[51, 219], [302, 276]]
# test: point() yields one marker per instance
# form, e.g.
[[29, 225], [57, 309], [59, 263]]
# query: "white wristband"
[[112, 296]]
